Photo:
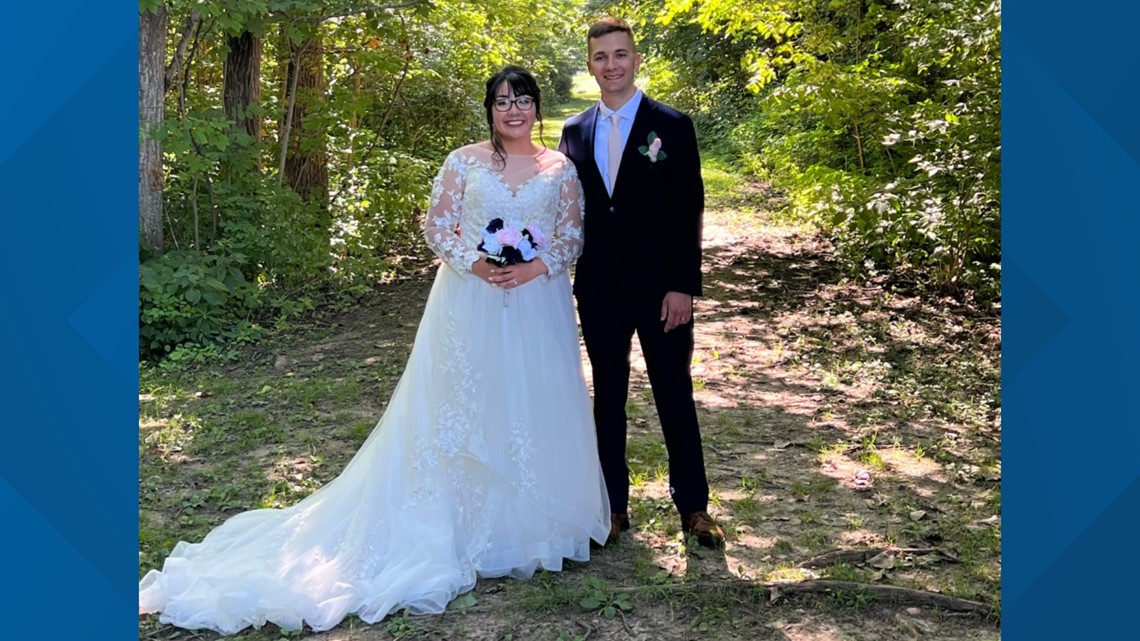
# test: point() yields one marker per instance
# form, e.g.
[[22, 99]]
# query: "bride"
[[484, 463]]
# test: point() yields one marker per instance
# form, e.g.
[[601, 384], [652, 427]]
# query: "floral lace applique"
[[468, 193]]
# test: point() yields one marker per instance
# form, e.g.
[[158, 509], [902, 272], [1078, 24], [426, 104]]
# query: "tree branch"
[[185, 86], [349, 12], [885, 593], [291, 103], [176, 62], [855, 557], [396, 94]]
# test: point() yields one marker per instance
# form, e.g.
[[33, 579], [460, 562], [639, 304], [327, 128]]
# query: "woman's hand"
[[484, 270], [516, 275]]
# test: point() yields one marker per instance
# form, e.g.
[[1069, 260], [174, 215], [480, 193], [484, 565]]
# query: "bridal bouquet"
[[511, 243]]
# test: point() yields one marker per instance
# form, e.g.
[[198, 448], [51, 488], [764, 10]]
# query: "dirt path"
[[837, 415]]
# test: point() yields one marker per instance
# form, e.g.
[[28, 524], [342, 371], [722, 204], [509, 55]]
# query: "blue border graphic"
[[1071, 168], [69, 319]]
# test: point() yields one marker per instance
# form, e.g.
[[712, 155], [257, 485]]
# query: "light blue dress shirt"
[[602, 133]]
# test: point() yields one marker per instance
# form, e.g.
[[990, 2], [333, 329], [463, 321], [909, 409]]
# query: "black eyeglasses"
[[524, 103]]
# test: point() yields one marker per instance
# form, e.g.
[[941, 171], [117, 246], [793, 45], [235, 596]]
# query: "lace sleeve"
[[442, 220], [566, 244]]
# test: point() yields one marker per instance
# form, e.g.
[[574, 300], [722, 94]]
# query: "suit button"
[[612, 210]]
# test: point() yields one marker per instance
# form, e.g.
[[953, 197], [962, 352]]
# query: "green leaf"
[[193, 296], [661, 155], [609, 612], [462, 602], [590, 603]]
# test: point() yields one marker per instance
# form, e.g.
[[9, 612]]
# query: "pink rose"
[[655, 146], [539, 239], [509, 236]]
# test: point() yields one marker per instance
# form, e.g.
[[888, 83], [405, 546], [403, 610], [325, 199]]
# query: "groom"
[[639, 270]]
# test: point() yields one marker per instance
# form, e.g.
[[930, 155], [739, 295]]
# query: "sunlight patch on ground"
[[907, 464]]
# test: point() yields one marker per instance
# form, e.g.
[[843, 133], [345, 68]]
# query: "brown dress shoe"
[[619, 522], [702, 526]]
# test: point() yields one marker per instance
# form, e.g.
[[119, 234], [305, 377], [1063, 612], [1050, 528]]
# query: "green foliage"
[[401, 626], [880, 122], [599, 597], [402, 88], [192, 297]]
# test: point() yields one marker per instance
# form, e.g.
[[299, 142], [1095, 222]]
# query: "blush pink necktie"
[[614, 149]]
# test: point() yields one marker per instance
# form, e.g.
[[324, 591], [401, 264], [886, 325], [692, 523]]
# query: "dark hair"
[[608, 25], [522, 83]]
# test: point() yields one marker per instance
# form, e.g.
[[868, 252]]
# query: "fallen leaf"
[[882, 561], [917, 515], [924, 626]]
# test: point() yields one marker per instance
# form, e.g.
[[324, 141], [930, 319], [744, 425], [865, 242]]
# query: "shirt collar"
[[627, 111]]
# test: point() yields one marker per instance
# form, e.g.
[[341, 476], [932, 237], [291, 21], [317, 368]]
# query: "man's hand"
[[676, 309]]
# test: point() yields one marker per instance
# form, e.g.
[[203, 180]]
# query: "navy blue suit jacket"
[[645, 239]]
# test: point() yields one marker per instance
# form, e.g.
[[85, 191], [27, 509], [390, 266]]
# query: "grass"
[[808, 379], [586, 95]]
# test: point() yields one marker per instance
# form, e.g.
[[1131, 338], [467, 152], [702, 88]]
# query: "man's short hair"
[[608, 25]]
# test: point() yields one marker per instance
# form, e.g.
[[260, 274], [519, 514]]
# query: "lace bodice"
[[470, 191]]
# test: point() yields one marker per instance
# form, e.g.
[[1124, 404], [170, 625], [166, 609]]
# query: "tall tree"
[[152, 79], [242, 85], [306, 159]]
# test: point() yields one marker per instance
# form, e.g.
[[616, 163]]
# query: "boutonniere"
[[653, 149]]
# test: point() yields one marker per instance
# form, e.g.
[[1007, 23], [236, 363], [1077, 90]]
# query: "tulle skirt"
[[484, 464]]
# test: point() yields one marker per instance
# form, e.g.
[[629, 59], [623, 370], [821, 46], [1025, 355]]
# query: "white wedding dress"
[[484, 463]]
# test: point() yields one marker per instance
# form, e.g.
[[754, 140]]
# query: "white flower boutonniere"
[[653, 149]]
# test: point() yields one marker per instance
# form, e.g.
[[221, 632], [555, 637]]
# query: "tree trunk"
[[152, 82], [306, 161], [242, 85]]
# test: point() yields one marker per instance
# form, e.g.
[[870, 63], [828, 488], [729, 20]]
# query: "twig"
[[178, 634], [624, 623], [887, 593], [860, 556]]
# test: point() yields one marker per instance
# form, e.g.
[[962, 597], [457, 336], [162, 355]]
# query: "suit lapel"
[[589, 123], [638, 134]]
